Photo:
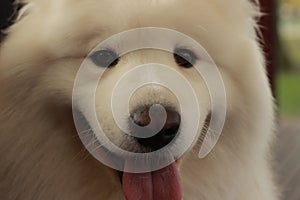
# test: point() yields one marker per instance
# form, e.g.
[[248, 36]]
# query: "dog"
[[41, 154]]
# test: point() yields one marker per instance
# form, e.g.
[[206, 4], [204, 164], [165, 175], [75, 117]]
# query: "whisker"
[[95, 149]]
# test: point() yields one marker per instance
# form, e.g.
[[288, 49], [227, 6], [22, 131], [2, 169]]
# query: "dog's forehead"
[[91, 21], [141, 13], [86, 23], [103, 17], [125, 14]]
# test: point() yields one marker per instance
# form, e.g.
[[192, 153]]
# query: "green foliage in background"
[[288, 82], [288, 93], [290, 38], [295, 3]]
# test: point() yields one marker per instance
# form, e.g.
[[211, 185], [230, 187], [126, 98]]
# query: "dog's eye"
[[184, 57], [105, 58]]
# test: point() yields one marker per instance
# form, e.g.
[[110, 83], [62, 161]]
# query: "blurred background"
[[287, 91], [288, 79], [280, 27]]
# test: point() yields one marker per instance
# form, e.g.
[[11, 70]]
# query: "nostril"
[[171, 131], [141, 118], [165, 136]]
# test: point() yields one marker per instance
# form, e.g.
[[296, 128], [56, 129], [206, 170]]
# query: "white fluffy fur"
[[41, 155]]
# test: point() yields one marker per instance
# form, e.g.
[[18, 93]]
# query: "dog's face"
[[63, 33]]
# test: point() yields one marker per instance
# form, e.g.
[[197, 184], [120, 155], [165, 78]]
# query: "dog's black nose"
[[165, 136]]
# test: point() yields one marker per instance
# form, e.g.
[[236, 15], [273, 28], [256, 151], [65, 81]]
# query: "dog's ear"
[[252, 7], [255, 7]]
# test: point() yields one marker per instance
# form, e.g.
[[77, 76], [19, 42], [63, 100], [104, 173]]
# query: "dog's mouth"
[[160, 184]]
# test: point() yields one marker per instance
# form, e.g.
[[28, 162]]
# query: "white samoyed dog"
[[41, 154]]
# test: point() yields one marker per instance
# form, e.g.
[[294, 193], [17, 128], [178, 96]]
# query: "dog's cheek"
[[57, 81]]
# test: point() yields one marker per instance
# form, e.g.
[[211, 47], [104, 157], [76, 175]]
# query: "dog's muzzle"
[[169, 131]]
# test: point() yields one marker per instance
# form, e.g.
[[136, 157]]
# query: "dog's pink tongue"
[[163, 184]]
